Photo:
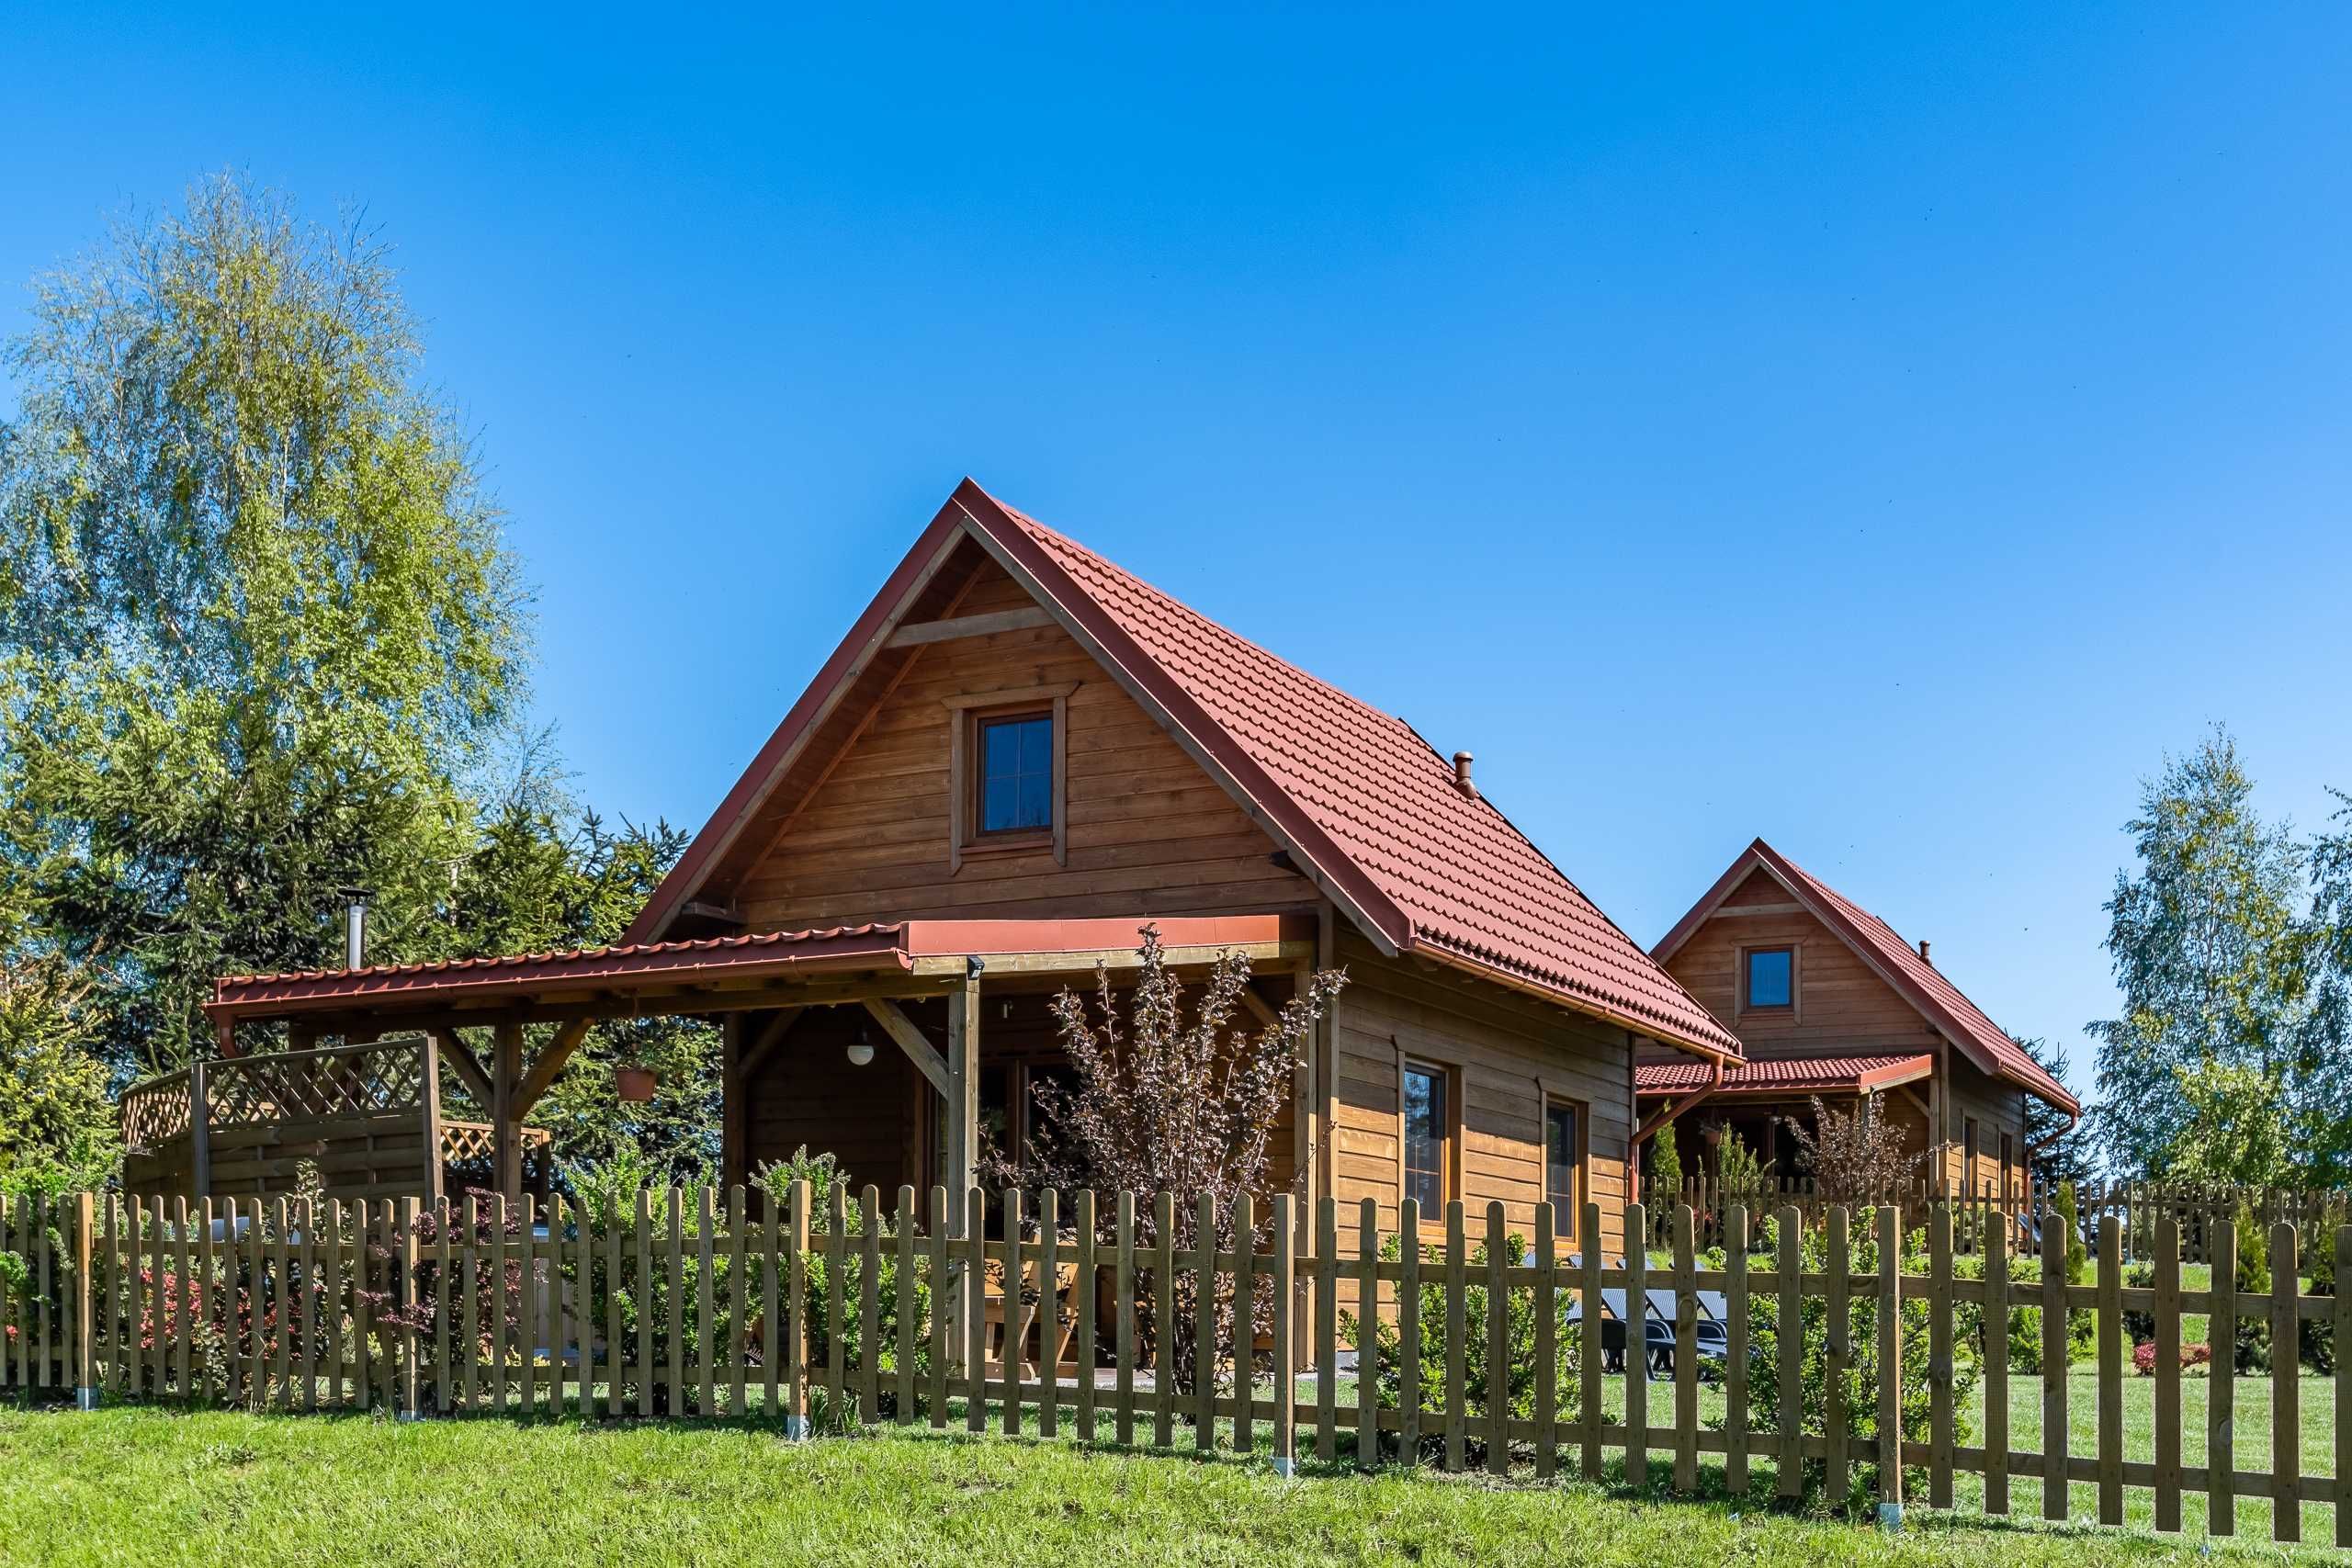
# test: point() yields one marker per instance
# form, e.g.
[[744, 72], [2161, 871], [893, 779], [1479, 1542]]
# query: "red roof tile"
[[1465, 881], [870, 946], [1940, 1001], [619, 968], [1793, 1075]]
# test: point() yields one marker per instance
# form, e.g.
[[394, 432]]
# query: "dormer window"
[[1016, 773], [1006, 773]]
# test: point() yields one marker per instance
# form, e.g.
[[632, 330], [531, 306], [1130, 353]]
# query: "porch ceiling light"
[[861, 1049]]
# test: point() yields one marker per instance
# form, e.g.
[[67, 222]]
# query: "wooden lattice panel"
[[380, 1079], [155, 1112]]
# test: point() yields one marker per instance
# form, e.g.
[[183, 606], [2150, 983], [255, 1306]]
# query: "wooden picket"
[[698, 1303]]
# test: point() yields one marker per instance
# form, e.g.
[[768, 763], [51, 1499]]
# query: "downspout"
[[1672, 1111]]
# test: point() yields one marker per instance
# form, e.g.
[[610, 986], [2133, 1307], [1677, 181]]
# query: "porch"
[[897, 1047]]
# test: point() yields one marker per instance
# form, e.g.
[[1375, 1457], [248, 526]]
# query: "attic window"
[[1015, 784], [1769, 979], [1006, 773]]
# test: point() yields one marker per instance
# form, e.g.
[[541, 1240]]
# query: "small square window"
[[1772, 977], [1016, 774]]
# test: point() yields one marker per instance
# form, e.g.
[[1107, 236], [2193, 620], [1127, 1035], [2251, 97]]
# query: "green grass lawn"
[[153, 1485]]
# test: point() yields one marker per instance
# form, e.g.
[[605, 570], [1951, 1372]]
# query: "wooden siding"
[[1508, 1054], [1843, 1007], [1148, 831]]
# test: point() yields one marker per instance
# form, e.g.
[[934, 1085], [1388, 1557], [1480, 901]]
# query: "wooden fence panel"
[[290, 1304]]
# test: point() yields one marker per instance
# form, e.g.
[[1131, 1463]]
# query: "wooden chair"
[[1050, 1319]]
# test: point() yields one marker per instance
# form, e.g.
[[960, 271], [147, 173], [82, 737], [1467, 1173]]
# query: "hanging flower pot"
[[633, 1086]]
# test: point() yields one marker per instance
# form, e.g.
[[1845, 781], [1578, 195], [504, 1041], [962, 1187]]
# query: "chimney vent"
[[1461, 774], [1923, 952], [355, 931]]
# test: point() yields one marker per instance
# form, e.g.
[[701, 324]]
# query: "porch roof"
[[1769, 1080], [722, 974]]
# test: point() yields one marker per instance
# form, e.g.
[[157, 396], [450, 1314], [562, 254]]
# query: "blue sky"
[[1884, 432]]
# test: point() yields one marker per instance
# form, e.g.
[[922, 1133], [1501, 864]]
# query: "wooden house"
[[1018, 755], [1828, 1001]]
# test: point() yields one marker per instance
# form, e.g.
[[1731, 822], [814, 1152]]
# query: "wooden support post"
[[85, 1337], [731, 1102], [199, 1130], [430, 1056], [1890, 1367], [959, 1131], [506, 1133]]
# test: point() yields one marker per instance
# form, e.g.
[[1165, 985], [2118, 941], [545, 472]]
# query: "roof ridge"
[[1104, 561]]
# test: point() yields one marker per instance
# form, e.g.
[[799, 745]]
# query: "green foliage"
[[2061, 1145], [2235, 1126], [2213, 956], [1861, 1381], [1665, 1166], [2250, 1347], [1738, 1169], [1478, 1374], [260, 630], [2315, 1337], [823, 1174], [2070, 1216]]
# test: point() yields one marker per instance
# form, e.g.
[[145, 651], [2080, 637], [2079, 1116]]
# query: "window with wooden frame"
[[1563, 1164], [1968, 1158], [1428, 1110], [1008, 772], [2008, 1158], [1768, 980]]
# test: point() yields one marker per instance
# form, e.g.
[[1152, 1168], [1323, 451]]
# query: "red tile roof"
[[873, 946], [835, 947], [1940, 1001], [1793, 1075], [1364, 804], [1461, 879]]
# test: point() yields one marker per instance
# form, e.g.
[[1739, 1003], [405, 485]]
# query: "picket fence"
[[477, 1306], [2200, 1210]]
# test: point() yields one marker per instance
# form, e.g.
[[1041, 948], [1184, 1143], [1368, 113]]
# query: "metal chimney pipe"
[[355, 933], [1923, 952], [1461, 774]]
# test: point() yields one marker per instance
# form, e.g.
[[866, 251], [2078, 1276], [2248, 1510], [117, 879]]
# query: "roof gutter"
[[1559, 995]]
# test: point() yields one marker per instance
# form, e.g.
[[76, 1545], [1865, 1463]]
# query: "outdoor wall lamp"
[[861, 1050]]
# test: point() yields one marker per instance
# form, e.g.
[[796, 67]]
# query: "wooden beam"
[[914, 634], [963, 1118], [506, 1121], [901, 1029], [550, 1061], [1260, 1008], [1266, 955], [755, 1054], [731, 1102], [461, 1055]]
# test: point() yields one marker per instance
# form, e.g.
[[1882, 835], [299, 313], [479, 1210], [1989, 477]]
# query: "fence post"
[[1638, 1348], [2286, 1409], [1788, 1333], [1940, 1326], [2168, 1433], [2220, 1386], [1736, 1350], [1890, 1366], [86, 1340], [411, 1385], [2110, 1370], [2343, 1483], [1285, 1349], [1839, 1353]]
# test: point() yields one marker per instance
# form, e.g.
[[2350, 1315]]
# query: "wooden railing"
[[822, 1315]]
